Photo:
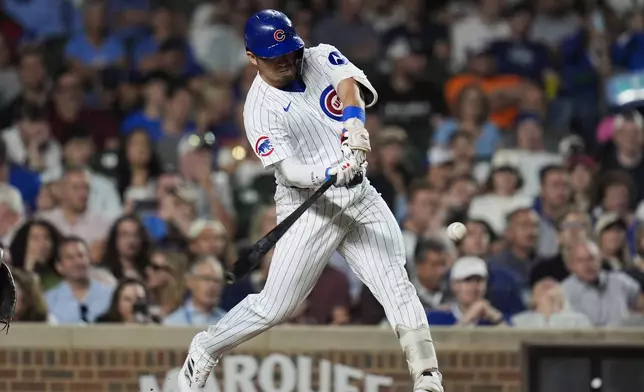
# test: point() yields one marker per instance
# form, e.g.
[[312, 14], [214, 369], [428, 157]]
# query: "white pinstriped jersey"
[[305, 124]]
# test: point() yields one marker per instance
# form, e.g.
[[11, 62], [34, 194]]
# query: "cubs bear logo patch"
[[330, 104], [263, 146]]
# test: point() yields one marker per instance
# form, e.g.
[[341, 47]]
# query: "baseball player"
[[304, 115]]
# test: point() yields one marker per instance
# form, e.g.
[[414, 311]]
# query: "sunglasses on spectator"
[[157, 267]]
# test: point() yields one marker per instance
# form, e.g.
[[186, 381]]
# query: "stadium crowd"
[[127, 185]]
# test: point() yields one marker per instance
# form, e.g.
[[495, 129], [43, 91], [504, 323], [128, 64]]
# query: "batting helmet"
[[270, 33]]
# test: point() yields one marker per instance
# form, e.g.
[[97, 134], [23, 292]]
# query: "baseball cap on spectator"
[[467, 267], [439, 156], [581, 160], [607, 221], [528, 116], [390, 134], [199, 226]]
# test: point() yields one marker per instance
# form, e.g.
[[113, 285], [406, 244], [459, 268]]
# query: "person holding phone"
[[130, 304]]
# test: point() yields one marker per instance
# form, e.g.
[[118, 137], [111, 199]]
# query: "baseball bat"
[[251, 257]]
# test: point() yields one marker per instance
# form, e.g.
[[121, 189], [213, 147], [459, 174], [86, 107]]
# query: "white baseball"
[[456, 231]]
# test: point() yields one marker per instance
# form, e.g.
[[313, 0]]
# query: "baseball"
[[456, 231]]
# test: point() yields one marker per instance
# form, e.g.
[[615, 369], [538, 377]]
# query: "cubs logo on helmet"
[[263, 146], [279, 35], [331, 104]]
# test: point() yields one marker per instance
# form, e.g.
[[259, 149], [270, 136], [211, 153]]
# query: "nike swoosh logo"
[[288, 107]]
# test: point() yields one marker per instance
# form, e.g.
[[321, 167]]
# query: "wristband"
[[354, 112], [326, 174]]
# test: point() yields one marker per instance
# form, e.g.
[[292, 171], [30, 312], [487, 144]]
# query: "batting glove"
[[345, 170], [356, 138]]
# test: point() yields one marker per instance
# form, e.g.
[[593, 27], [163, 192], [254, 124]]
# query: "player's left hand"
[[357, 139]]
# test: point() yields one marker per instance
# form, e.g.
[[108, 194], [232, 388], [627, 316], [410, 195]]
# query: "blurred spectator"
[[625, 151], [459, 194], [477, 31], [499, 197], [348, 31], [405, 99], [34, 84], [129, 304], [554, 21], [582, 170], [479, 239], [68, 113], [614, 194], [329, 301], [604, 297], [217, 43], [551, 205], [387, 170], [204, 279], [164, 278], [626, 50], [149, 118], [463, 152], [529, 154], [610, 231], [468, 279], [79, 297], [169, 219], [41, 19], [213, 113], [31, 144], [78, 151], [176, 122], [72, 217], [175, 59], [137, 169], [95, 48], [212, 188], [521, 238], [128, 247], [34, 249], [636, 271], [145, 54], [423, 217], [441, 168], [30, 304], [12, 212], [209, 238], [573, 227], [430, 279], [9, 77], [519, 54], [549, 309], [470, 115], [585, 62], [506, 93]]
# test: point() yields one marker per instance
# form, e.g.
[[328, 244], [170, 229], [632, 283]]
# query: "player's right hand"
[[345, 170]]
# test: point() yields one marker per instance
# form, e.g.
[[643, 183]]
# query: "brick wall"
[[36, 358], [118, 370]]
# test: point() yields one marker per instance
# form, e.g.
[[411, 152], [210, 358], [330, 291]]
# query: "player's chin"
[[287, 75]]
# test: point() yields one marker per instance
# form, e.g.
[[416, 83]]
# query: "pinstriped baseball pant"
[[357, 223]]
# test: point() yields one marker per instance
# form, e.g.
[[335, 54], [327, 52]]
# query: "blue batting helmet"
[[270, 33]]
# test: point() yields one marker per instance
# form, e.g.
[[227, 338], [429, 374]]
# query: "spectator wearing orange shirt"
[[507, 93]]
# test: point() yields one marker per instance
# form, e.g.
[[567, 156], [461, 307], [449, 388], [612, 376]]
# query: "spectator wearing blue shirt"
[[41, 19], [470, 114], [627, 51], [78, 298], [155, 94], [176, 59], [468, 281], [147, 56], [201, 308], [94, 49], [519, 55], [585, 62]]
